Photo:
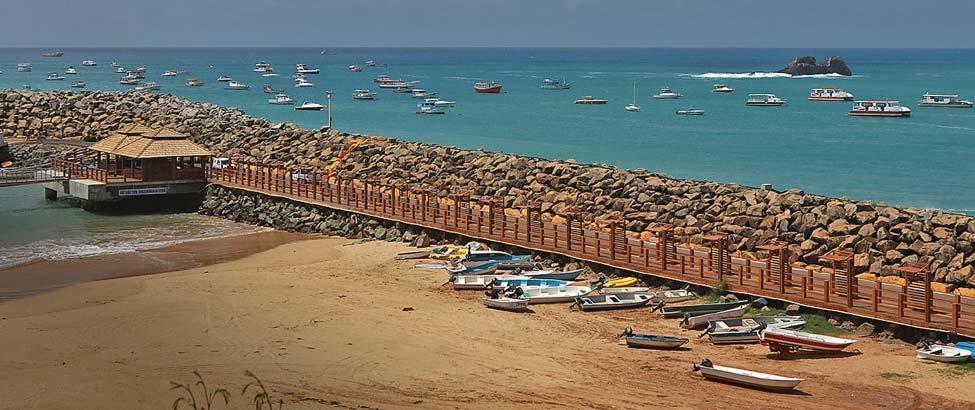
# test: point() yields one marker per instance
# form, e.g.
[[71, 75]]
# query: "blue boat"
[[485, 268], [479, 256], [970, 346], [530, 282]]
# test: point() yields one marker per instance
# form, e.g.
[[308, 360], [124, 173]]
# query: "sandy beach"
[[334, 322]]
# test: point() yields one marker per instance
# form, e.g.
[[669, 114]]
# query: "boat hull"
[[952, 105], [488, 90], [701, 320], [506, 304], [612, 301], [830, 98], [655, 342], [878, 114], [764, 104], [412, 255], [749, 379], [799, 339], [944, 354], [568, 275]]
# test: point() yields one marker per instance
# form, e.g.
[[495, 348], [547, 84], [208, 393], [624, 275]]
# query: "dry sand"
[[323, 323]]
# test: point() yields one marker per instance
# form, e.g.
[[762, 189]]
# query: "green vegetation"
[[261, 396], [898, 377], [209, 396], [716, 292], [958, 370], [814, 323]]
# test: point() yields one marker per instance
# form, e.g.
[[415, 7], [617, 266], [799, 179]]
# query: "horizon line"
[[471, 47]]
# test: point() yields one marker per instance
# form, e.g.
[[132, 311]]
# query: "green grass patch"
[[958, 369], [814, 323], [898, 377]]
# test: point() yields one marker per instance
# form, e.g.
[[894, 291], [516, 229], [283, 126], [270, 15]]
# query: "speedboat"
[[354, 68], [943, 100], [194, 82], [430, 108], [879, 108], [236, 85], [370, 63], [690, 111], [149, 86], [304, 83], [746, 378], [24, 67], [268, 72], [169, 73], [120, 70], [721, 88], [224, 78], [129, 81], [281, 99], [309, 106], [829, 94], [646, 340], [764, 100], [363, 95], [54, 77], [89, 63], [116, 64], [78, 84], [302, 69], [422, 94], [440, 103], [549, 84], [667, 94], [487, 87], [590, 100], [71, 70]]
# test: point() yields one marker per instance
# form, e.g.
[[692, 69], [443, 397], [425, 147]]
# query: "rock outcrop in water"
[[881, 235], [806, 65]]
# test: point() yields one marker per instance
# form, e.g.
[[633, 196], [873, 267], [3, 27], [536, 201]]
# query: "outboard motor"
[[659, 306]]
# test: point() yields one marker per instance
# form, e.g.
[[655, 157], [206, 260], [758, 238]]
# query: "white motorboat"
[[194, 82], [764, 100], [745, 330], [561, 294], [302, 69], [236, 85], [140, 69], [269, 73], [399, 84], [78, 84], [382, 78], [303, 83], [281, 99], [721, 88], [590, 100], [116, 64], [694, 322], [363, 95], [309, 106], [129, 81], [652, 341], [746, 377], [829, 94], [149, 86], [71, 70], [689, 111], [355, 68], [370, 63], [120, 70], [422, 94], [942, 353], [549, 84], [430, 108], [612, 301], [24, 67], [54, 77], [441, 103], [261, 67], [632, 107], [506, 303], [943, 100], [89, 63], [879, 108], [169, 73], [667, 94], [224, 79]]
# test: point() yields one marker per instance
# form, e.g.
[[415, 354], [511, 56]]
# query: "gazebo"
[[137, 153]]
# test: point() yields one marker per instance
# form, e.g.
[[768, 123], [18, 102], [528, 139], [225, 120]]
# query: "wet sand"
[[327, 322]]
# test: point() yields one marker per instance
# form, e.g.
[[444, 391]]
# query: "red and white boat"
[[487, 87], [793, 339], [829, 94], [879, 108]]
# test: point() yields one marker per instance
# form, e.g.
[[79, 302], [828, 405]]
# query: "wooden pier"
[[834, 288]]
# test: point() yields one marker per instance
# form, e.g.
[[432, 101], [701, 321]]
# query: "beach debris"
[[408, 309]]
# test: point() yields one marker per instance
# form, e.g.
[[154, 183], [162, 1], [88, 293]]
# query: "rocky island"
[[806, 65]]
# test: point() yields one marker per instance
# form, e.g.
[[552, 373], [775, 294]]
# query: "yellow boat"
[[621, 282], [448, 252]]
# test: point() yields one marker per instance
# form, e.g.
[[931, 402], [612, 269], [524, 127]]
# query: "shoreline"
[[39, 276]]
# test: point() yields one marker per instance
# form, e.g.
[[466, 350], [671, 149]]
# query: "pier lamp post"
[[328, 96]]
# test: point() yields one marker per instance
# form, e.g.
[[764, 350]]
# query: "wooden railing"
[[660, 255], [75, 170]]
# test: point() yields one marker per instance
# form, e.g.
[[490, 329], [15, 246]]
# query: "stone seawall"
[[881, 235]]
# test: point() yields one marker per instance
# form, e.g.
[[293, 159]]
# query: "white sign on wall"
[[143, 191]]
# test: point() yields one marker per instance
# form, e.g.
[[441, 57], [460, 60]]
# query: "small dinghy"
[[612, 301], [469, 282], [431, 265], [694, 322], [785, 340], [550, 274], [746, 377], [695, 310], [487, 268], [732, 331], [561, 294], [620, 282], [631, 289], [942, 353], [516, 264], [645, 340], [412, 255], [673, 296], [506, 303]]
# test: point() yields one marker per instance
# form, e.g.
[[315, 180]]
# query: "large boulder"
[[806, 65]]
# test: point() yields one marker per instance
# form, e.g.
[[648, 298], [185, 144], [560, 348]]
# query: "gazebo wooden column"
[[777, 263], [841, 276], [719, 258], [918, 288]]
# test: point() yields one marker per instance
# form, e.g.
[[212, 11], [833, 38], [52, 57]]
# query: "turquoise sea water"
[[923, 161]]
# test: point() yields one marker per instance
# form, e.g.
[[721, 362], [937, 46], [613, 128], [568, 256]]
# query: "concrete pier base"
[[50, 194]]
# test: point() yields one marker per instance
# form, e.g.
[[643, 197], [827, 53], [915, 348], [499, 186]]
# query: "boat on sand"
[[612, 301], [646, 340], [506, 303], [561, 294], [413, 254], [675, 311], [784, 340], [746, 377], [942, 353]]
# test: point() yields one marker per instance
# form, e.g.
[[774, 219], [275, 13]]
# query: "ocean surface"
[[925, 160]]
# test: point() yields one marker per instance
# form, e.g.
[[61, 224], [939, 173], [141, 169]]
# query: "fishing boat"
[[943, 100], [628, 289], [590, 100], [309, 106], [879, 108], [829, 94], [551, 274], [429, 108], [491, 255], [793, 339], [224, 78], [673, 296], [24, 67], [354, 68], [422, 94], [549, 84], [78, 84], [746, 330], [646, 340], [281, 99], [169, 73], [413, 255], [487, 87], [691, 321], [303, 69], [676, 311], [632, 107], [506, 303], [667, 94], [71, 70], [397, 84], [193, 82], [689, 111], [612, 301], [303, 83], [363, 95], [721, 88], [764, 100], [268, 89], [89, 63], [942, 353], [561, 294], [236, 85], [52, 54], [54, 77], [746, 377]]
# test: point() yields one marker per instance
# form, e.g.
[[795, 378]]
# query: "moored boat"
[[170, 73], [673, 296], [721, 88], [281, 99], [224, 78], [483, 268], [764, 100], [441, 103], [942, 353], [24, 67], [632, 107], [551, 274], [506, 303], [193, 82], [89, 63], [612, 301], [303, 69], [549, 84], [689, 111], [590, 100], [943, 100], [355, 68], [71, 70], [462, 282], [310, 106], [78, 84], [667, 94], [879, 108], [746, 377], [149, 86], [646, 340], [422, 94], [236, 85], [829, 94], [620, 282], [746, 330], [491, 255], [487, 87], [55, 77], [116, 63], [303, 83], [363, 95], [268, 89], [52, 54], [794, 338], [628, 289]]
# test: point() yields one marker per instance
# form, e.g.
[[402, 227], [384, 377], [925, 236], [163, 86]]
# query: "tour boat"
[[78, 84], [302, 69], [89, 63], [310, 106], [71, 70], [422, 94], [431, 108], [667, 94], [590, 100], [194, 82], [689, 111], [120, 70], [804, 339], [54, 77], [303, 83], [942, 353], [746, 377], [268, 89], [879, 108], [561, 294], [612, 301], [549, 84], [354, 68], [398, 84], [281, 99], [487, 87], [235, 85], [149, 86], [506, 303], [24, 67], [370, 63], [169, 73], [224, 78], [943, 100], [764, 100], [721, 88], [363, 95], [829, 94], [116, 63], [632, 107], [52, 54], [646, 340]]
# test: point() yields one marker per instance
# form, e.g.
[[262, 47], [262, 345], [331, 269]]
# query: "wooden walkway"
[[834, 289]]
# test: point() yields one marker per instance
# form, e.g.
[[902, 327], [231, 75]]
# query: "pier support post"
[[50, 194]]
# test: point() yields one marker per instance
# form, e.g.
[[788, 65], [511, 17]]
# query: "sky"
[[488, 23]]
